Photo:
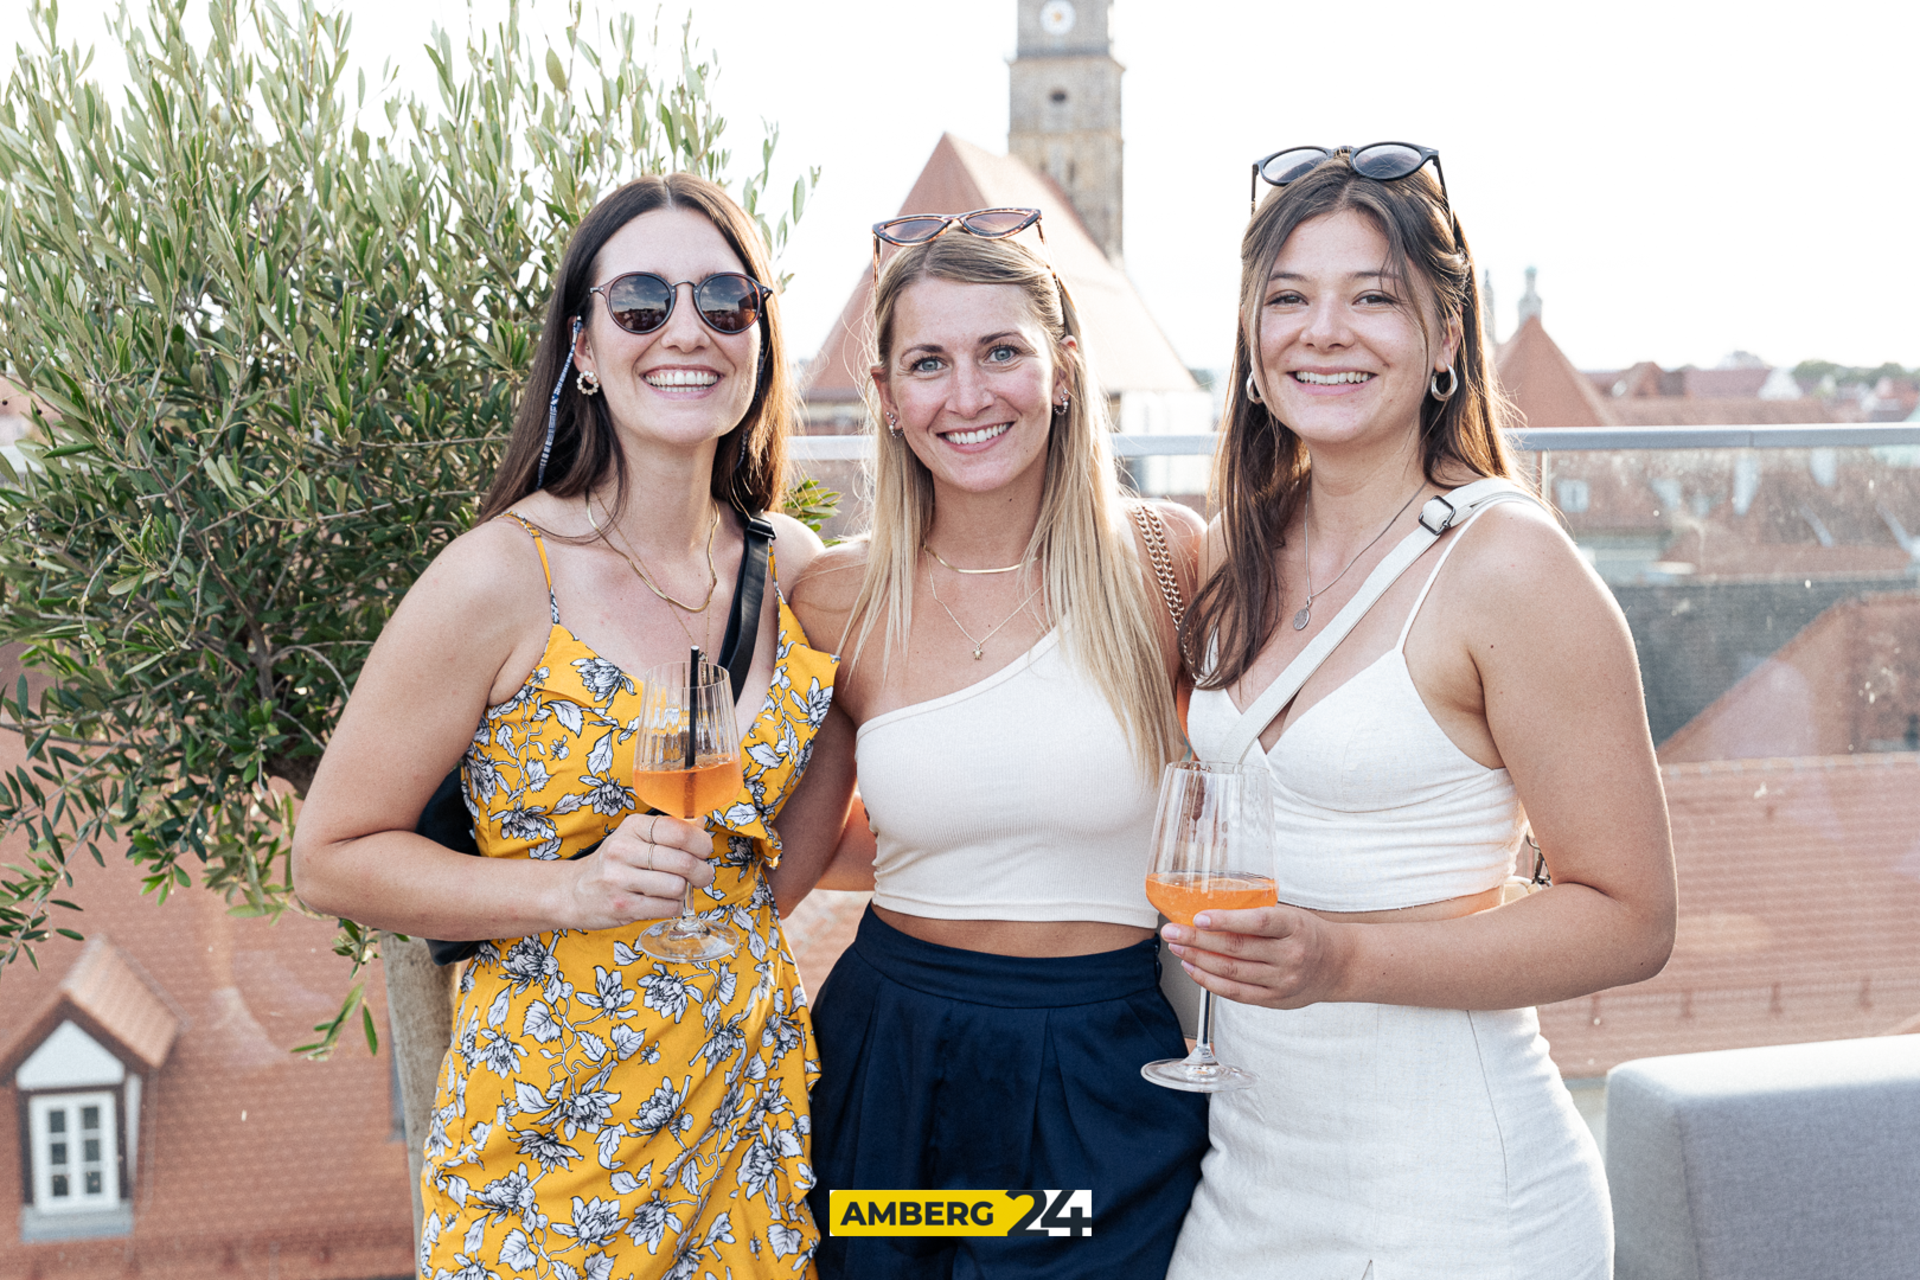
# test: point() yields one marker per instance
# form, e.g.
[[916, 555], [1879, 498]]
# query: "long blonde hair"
[[1082, 542]]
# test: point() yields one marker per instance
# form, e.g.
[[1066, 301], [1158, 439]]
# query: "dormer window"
[[78, 1065]]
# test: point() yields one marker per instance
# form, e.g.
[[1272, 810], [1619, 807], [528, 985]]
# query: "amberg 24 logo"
[[1050, 1212]]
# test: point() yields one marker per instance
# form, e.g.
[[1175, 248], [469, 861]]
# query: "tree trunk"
[[420, 997]]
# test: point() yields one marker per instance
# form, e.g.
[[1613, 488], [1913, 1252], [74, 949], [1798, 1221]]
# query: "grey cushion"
[[1792, 1162]]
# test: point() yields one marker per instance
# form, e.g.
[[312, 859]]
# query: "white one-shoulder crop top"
[[1015, 798], [1375, 808]]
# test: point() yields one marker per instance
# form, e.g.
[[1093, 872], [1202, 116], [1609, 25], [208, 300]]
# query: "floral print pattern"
[[601, 1114]]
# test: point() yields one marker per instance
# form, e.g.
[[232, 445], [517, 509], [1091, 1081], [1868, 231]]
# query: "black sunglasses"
[[1381, 161], [640, 301], [988, 224]]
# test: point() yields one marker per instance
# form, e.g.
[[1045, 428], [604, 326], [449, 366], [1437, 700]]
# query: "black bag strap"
[[743, 623]]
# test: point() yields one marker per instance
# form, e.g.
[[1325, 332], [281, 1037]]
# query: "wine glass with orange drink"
[[687, 763], [1212, 850]]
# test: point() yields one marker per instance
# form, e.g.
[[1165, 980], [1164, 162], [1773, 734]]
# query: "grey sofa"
[[1791, 1162]]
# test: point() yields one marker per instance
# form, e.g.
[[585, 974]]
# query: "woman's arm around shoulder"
[[467, 634], [794, 548], [1552, 666], [823, 828]]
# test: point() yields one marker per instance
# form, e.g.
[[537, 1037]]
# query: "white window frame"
[[42, 1140]]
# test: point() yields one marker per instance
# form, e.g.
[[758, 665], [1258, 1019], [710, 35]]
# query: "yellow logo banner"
[[961, 1213]]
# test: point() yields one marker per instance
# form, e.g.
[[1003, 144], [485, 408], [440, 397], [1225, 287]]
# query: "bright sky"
[[1690, 178]]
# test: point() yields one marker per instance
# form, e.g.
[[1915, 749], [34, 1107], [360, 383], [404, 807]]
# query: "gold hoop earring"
[[1453, 384], [588, 382], [1253, 389]]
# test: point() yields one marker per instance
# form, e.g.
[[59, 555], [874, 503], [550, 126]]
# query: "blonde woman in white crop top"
[[1009, 664], [1408, 1121]]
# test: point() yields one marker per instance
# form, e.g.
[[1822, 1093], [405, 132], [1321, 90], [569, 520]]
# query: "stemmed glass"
[[686, 763], [1212, 849]]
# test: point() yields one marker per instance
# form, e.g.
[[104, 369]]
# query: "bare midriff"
[[1447, 909], [1018, 937]]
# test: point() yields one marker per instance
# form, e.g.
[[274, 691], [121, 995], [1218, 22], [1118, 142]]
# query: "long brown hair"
[[750, 465], [1261, 467], [1082, 540]]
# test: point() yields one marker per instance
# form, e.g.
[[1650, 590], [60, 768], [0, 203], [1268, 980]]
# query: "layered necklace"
[[1305, 615], [979, 643], [680, 606]]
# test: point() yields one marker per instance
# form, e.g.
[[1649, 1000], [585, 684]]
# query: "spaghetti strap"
[[539, 544]]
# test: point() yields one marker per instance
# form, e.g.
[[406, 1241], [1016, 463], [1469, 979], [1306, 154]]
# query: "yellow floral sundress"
[[601, 1114]]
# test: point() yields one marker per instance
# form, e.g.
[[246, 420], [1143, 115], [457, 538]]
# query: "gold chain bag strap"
[[1161, 558], [1155, 535]]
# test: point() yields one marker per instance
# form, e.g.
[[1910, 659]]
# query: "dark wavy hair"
[[749, 467], [1261, 466]]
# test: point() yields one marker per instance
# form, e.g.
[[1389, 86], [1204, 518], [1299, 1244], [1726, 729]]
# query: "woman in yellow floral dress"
[[602, 1114]]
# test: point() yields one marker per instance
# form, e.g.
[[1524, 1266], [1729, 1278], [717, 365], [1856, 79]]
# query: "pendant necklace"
[[1302, 618], [979, 645]]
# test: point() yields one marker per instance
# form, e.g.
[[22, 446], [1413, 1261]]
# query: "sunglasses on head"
[[1381, 161], [918, 228], [640, 301]]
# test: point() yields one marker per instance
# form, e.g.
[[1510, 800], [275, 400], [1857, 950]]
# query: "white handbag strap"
[[1440, 513]]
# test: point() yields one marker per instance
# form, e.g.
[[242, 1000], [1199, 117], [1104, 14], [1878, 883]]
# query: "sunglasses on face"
[[1381, 161], [641, 302], [918, 228]]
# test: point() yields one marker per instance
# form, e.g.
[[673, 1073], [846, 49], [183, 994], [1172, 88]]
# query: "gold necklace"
[[1302, 618], [936, 555], [713, 575], [980, 644]]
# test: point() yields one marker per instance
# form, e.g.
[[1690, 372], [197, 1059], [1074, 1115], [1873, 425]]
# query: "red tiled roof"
[[1544, 385], [108, 992], [1846, 683], [1128, 350], [250, 1160], [1799, 914], [1688, 411], [1726, 384]]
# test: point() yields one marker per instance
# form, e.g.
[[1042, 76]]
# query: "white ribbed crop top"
[[1015, 798], [1375, 808]]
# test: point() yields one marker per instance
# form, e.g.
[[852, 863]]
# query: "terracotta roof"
[[107, 990], [1799, 914], [1128, 350], [1846, 683], [251, 1161], [1727, 384], [1690, 411], [1544, 385]]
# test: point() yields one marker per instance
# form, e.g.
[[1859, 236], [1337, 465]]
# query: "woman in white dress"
[[1406, 1118]]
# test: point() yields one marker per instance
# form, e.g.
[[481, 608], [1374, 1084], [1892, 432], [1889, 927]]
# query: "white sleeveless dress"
[[1425, 1144]]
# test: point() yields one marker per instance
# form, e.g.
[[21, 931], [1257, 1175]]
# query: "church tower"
[[1065, 111]]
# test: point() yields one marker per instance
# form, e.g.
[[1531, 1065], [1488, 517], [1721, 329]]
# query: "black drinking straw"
[[693, 682]]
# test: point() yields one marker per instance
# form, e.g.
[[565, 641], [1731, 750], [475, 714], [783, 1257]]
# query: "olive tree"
[[276, 322]]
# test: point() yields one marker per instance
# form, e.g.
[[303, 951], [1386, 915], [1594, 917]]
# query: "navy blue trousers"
[[949, 1069]]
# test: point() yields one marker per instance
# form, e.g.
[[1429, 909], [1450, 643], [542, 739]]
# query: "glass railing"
[[1771, 579]]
